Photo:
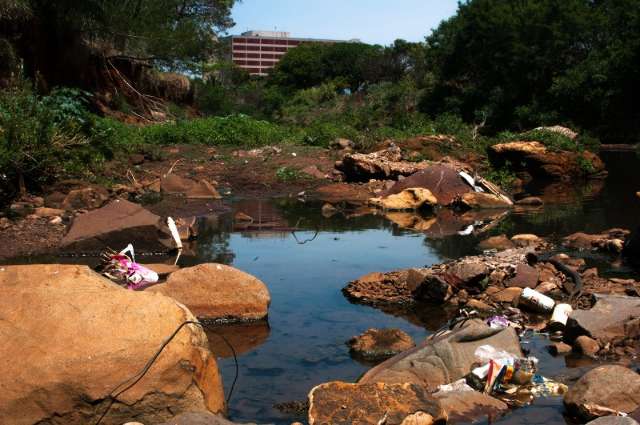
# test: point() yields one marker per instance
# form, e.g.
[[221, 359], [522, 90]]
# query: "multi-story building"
[[259, 51]]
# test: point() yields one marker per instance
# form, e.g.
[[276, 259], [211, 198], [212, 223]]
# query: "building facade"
[[259, 51]]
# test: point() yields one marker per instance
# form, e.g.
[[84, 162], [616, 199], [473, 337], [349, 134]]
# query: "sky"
[[371, 21]]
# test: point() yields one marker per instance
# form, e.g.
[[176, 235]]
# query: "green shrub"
[[234, 130]]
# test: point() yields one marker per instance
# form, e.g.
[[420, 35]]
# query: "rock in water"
[[536, 159], [499, 243], [444, 359], [218, 292], [379, 344], [442, 180], [610, 387], [96, 335], [340, 403], [606, 321], [408, 199], [478, 200], [116, 225]]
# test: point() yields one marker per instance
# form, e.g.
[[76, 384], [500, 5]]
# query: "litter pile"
[[507, 377]]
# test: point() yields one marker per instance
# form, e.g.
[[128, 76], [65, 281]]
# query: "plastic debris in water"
[[498, 322], [121, 268]]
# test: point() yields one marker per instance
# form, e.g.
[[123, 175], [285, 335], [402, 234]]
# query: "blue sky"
[[372, 21]]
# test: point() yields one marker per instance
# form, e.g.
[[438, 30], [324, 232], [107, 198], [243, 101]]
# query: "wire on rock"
[[133, 380]]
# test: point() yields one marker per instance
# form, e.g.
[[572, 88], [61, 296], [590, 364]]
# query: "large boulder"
[[386, 164], [218, 292], [116, 225], [534, 158], [443, 359], [97, 335], [609, 318], [442, 180], [609, 387], [340, 403]]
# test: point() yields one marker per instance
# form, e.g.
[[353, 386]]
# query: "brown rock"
[[478, 200], [611, 387], [339, 403], [202, 189], [408, 199], [218, 292], [379, 344], [468, 272], [63, 374], [380, 288], [610, 241], [499, 243], [479, 305], [546, 287], [87, 198], [508, 295], [587, 346], [242, 217], [314, 171], [534, 158], [442, 180], [470, 406], [48, 212], [606, 320], [172, 184], [525, 240], [530, 201], [381, 165], [560, 348], [418, 418], [526, 277], [116, 225], [444, 359], [328, 210]]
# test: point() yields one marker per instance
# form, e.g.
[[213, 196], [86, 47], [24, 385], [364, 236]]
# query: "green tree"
[[64, 42], [530, 62]]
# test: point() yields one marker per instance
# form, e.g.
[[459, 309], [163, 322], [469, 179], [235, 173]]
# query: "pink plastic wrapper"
[[122, 269]]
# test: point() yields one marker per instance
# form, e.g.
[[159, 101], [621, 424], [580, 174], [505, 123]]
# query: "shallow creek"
[[310, 320]]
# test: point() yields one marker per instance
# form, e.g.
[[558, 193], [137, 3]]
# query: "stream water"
[[310, 320]]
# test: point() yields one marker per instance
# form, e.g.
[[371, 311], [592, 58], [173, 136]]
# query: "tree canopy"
[[532, 62], [58, 39]]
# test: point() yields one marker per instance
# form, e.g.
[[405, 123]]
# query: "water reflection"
[[243, 337]]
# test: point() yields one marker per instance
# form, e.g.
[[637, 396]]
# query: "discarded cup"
[[560, 316], [536, 301]]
